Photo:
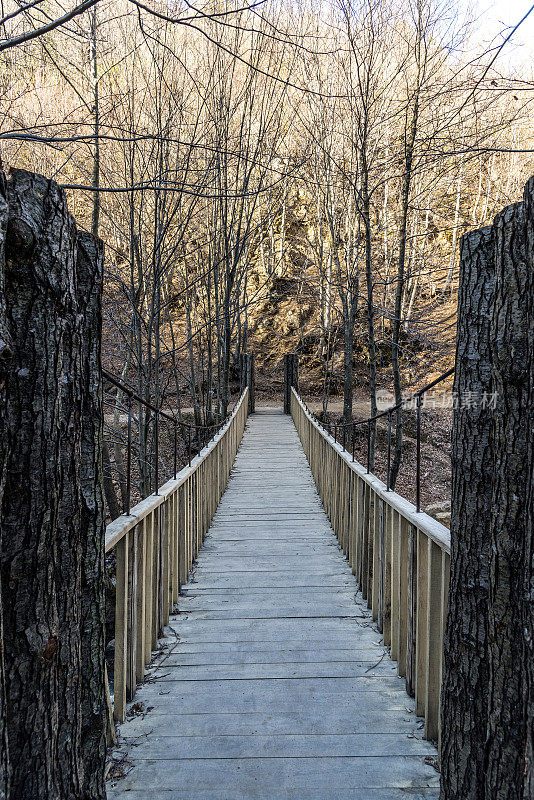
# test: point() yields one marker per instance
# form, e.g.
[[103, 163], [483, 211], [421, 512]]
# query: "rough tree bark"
[[40, 296], [90, 268], [487, 691], [43, 517], [6, 351], [528, 588], [66, 537], [508, 673], [465, 673]]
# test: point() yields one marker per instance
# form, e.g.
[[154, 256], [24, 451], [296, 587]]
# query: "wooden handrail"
[[155, 546], [400, 557]]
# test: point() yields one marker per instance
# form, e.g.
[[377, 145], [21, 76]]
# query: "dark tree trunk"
[[66, 537], [5, 336], [46, 561], [411, 135], [90, 264], [487, 691], [465, 672], [36, 549], [6, 352], [348, 378], [370, 323], [109, 488], [528, 586], [508, 673]]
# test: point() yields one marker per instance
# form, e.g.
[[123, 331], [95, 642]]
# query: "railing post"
[[140, 533], [403, 595], [250, 382], [131, 674], [421, 645], [376, 557], [411, 633], [182, 563], [291, 378], [434, 640], [149, 585], [121, 629]]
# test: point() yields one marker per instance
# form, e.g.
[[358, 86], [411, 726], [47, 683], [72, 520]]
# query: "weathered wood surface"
[[273, 682]]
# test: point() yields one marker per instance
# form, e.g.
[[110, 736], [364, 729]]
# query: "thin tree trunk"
[[96, 121], [109, 488], [227, 341], [479, 193], [370, 313], [192, 381], [450, 274], [484, 214], [348, 343], [397, 323]]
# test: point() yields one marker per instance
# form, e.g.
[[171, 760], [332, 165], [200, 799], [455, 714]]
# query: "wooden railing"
[[400, 557], [155, 546]]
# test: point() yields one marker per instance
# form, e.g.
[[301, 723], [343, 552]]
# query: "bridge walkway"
[[273, 682]]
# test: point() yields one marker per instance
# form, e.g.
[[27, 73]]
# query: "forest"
[[281, 177], [207, 207]]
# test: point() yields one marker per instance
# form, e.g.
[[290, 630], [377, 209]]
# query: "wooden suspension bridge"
[[279, 611], [299, 613]]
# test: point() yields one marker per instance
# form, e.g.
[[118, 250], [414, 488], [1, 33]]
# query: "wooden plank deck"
[[273, 683]]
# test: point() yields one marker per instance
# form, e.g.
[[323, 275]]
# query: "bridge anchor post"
[[291, 378]]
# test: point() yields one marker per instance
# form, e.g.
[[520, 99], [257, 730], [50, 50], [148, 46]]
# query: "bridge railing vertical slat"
[[395, 584], [402, 596], [370, 546], [140, 653], [121, 626], [155, 576], [399, 555], [434, 637], [165, 564], [376, 550], [149, 573], [386, 569], [445, 577], [421, 642], [175, 551], [132, 615]]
